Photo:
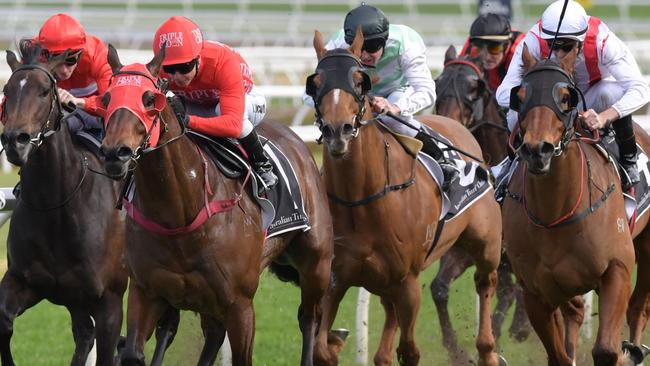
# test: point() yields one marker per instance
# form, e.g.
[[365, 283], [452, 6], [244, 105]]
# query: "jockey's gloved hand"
[[178, 105]]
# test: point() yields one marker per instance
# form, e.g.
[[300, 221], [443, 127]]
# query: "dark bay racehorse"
[[565, 226], [462, 95], [383, 228], [66, 239], [213, 270]]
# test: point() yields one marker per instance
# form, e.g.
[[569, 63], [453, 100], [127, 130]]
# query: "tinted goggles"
[[373, 45], [72, 58], [566, 45], [493, 47], [183, 68]]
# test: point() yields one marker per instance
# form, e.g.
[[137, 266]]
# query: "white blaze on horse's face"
[[337, 95], [22, 82]]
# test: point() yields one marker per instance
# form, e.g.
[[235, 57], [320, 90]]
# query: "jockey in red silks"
[[216, 85], [605, 71], [84, 75], [494, 42]]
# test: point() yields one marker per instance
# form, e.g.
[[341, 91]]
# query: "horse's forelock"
[[30, 52]]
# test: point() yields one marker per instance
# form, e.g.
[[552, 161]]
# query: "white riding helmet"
[[574, 25]]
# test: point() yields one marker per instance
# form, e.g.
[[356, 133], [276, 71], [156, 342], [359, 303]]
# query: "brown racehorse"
[[565, 226], [213, 270], [384, 228], [460, 92], [66, 239]]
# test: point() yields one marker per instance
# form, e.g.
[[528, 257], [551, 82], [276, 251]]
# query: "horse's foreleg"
[[83, 332], [384, 355], [453, 264], [637, 311], [214, 333], [520, 327], [166, 329], [548, 324], [613, 295], [505, 295], [485, 283], [240, 325], [407, 305], [323, 355], [313, 284], [15, 298], [573, 313], [108, 322], [142, 314]]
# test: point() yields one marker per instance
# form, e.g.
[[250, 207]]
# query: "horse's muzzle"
[[17, 145], [537, 156], [116, 160], [338, 138]]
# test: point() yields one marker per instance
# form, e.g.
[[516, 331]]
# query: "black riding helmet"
[[373, 22], [490, 27]]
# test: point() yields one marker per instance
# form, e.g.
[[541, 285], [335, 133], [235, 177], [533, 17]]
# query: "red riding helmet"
[[182, 39], [61, 32]]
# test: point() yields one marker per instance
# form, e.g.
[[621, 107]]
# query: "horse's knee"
[[6, 323], [439, 291]]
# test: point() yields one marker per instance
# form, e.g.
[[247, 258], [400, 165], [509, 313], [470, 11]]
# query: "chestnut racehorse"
[[66, 239], [565, 226], [462, 95], [213, 270], [385, 209]]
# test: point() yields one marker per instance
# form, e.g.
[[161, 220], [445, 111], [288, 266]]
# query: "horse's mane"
[[30, 52]]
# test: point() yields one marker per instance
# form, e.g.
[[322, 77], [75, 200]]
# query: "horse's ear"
[[528, 59], [156, 63], [568, 62], [12, 61], [357, 44], [450, 54], [114, 59], [319, 45]]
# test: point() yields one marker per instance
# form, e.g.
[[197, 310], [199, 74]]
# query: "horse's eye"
[[44, 92], [148, 100]]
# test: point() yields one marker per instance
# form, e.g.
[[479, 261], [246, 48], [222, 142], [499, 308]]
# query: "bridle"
[[449, 88]]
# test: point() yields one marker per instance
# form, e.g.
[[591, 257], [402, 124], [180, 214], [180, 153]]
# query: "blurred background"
[[275, 37]]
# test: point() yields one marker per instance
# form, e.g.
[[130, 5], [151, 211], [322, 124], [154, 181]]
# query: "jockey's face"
[[182, 74], [64, 70], [562, 46], [371, 58], [492, 53]]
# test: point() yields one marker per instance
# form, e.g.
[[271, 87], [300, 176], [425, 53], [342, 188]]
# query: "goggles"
[[72, 58], [492, 47], [566, 45], [183, 68], [373, 45]]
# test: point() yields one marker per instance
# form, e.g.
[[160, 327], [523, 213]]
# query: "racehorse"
[[212, 267], [66, 239], [565, 226], [462, 95], [386, 208]]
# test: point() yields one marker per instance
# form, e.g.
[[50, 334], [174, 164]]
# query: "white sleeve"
[[620, 62], [417, 73], [516, 69]]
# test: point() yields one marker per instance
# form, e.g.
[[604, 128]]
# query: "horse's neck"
[[493, 141], [53, 170], [170, 181], [363, 172], [559, 190]]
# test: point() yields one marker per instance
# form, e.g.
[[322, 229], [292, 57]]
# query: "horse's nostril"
[[347, 129], [327, 131], [124, 153], [546, 148], [23, 139]]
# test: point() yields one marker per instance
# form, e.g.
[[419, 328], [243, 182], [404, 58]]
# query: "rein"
[[387, 186]]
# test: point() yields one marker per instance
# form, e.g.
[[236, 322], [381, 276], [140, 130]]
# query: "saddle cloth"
[[472, 182]]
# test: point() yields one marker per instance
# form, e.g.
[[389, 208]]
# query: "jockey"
[[396, 56], [84, 75], [217, 86], [605, 71], [492, 39]]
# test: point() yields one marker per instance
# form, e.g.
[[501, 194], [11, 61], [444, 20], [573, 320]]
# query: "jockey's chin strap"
[[53, 122]]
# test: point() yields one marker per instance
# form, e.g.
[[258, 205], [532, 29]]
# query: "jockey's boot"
[[260, 162], [432, 149], [626, 142]]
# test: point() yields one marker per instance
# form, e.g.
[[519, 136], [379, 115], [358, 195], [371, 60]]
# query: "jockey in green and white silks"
[[395, 59]]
